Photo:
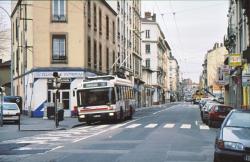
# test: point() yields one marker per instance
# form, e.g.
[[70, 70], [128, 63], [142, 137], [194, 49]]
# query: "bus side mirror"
[[74, 93]]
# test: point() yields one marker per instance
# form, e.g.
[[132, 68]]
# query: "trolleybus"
[[105, 98]]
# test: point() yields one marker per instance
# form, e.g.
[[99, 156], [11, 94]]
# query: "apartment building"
[[237, 41], [213, 61], [154, 56], [128, 62], [74, 38], [174, 78]]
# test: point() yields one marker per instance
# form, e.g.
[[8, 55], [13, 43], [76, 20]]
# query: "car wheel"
[[216, 159], [210, 123]]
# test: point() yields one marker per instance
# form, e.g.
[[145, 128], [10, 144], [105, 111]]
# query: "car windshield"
[[96, 97], [7, 106], [224, 109], [239, 119]]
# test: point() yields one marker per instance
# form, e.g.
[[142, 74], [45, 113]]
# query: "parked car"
[[11, 112], [203, 102], [205, 109], [217, 114], [232, 143]]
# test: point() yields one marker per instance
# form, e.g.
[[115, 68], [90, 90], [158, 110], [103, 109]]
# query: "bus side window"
[[116, 93], [125, 91]]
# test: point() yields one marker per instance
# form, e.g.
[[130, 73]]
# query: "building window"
[[113, 24], [100, 57], [118, 27], [17, 61], [95, 19], [113, 61], [59, 48], [59, 10], [147, 48], [107, 27], [89, 52], [89, 13], [107, 60], [100, 22], [118, 5], [95, 53], [17, 29], [147, 33], [148, 63]]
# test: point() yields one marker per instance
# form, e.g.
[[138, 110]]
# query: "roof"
[[5, 64]]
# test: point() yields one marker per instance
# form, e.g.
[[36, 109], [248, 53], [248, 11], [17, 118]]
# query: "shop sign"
[[234, 60], [71, 74], [246, 80], [223, 72]]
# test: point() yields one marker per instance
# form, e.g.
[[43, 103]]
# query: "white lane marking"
[[24, 148], [151, 125], [56, 148], [185, 126], [204, 127], [169, 125], [133, 125], [101, 126], [157, 112], [33, 142]]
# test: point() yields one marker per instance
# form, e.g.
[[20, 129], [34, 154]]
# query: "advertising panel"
[[223, 75]]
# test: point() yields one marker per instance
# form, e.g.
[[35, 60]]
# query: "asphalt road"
[[164, 134]]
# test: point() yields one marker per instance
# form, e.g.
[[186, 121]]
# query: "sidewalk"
[[40, 124]]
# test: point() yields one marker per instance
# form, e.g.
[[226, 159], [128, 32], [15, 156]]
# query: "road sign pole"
[[1, 109]]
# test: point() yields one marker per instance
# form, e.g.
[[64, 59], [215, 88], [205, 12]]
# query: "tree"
[[5, 39]]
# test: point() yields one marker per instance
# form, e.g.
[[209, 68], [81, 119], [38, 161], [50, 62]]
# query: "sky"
[[191, 28]]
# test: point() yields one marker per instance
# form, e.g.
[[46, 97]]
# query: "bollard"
[[19, 122], [45, 113]]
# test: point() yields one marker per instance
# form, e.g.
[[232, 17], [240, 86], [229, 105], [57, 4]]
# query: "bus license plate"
[[247, 158], [97, 116]]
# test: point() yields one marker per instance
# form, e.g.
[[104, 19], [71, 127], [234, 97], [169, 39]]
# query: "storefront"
[[39, 91], [246, 86]]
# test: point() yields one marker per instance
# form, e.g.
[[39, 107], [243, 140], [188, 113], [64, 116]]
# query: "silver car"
[[11, 112]]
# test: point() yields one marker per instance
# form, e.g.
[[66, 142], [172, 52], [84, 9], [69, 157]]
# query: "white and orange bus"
[[105, 98]]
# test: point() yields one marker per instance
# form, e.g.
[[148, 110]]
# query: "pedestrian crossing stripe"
[[185, 126], [204, 127], [169, 125], [133, 125], [151, 125]]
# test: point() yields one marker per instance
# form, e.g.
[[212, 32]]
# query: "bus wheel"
[[130, 113]]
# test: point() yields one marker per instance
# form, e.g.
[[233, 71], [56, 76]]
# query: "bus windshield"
[[95, 97]]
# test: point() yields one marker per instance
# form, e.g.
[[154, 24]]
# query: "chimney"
[[147, 15], [154, 17]]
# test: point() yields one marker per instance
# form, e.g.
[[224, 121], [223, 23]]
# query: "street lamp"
[[11, 56], [56, 86], [1, 117]]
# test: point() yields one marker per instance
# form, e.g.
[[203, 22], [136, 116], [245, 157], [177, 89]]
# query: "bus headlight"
[[82, 116], [111, 114]]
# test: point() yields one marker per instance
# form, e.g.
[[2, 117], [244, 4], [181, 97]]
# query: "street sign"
[[235, 60]]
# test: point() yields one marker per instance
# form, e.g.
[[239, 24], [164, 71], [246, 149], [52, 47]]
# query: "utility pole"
[[56, 86], [1, 117]]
